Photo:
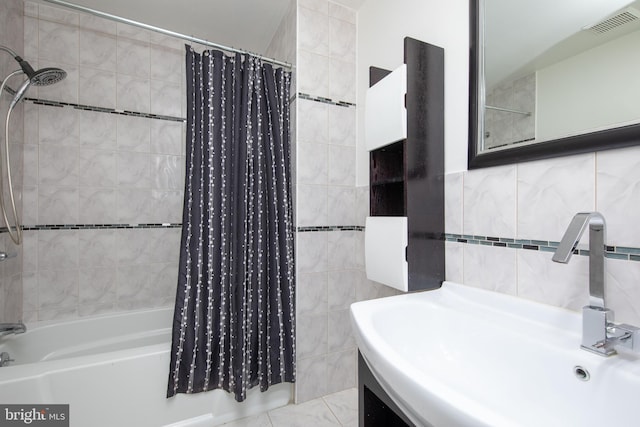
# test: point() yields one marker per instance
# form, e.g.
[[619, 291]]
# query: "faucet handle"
[[624, 335]]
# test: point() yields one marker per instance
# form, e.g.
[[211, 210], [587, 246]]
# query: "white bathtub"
[[113, 371]]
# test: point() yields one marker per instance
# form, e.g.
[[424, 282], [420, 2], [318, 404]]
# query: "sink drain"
[[581, 373]]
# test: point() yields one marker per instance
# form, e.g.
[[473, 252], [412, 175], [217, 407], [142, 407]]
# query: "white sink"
[[460, 356]]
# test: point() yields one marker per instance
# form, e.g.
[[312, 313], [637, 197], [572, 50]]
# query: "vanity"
[[460, 356]]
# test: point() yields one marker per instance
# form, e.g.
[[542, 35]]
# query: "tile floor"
[[338, 409]]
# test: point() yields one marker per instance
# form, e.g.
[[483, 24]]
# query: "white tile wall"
[[537, 200], [11, 279], [489, 201], [330, 267], [618, 194], [85, 167], [551, 192]]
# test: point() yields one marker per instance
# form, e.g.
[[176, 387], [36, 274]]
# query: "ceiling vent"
[[621, 18]]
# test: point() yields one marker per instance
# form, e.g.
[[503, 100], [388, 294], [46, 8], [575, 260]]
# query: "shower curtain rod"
[[164, 31]]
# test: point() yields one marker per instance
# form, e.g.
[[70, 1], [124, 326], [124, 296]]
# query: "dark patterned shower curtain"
[[233, 324]]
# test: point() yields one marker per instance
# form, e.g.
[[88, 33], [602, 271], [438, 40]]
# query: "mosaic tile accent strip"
[[309, 229], [91, 226], [612, 252], [165, 225], [104, 110], [325, 100]]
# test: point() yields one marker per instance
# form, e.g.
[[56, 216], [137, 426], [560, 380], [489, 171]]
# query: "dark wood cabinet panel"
[[407, 177]]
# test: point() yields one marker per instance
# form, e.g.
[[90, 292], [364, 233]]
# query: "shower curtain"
[[233, 325]]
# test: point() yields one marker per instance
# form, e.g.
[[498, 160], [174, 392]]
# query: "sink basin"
[[460, 356]]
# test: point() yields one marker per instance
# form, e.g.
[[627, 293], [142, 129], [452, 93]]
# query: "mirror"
[[552, 78]]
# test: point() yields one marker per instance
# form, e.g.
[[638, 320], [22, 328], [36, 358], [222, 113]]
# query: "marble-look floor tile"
[[312, 413], [344, 406]]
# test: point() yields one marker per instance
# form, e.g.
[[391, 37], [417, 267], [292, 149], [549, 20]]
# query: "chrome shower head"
[[47, 76], [41, 77]]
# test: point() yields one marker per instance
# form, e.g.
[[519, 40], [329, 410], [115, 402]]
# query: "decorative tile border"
[[325, 100], [39, 227], [104, 110], [613, 252], [310, 229]]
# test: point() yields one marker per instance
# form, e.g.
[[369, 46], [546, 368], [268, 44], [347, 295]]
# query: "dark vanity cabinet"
[[375, 407], [407, 176]]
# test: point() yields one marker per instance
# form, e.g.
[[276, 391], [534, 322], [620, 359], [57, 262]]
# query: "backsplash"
[[534, 202]]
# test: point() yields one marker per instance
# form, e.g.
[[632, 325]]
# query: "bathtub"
[[112, 371]]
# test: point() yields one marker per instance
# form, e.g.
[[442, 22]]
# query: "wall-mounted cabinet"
[[407, 168]]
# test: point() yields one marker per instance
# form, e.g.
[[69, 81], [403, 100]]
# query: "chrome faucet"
[[599, 334], [12, 328]]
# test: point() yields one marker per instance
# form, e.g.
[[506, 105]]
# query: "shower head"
[[41, 77], [47, 76]]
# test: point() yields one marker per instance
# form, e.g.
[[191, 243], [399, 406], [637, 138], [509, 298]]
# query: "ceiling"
[[244, 24]]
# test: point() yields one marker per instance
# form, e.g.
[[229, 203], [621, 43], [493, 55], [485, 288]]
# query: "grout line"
[[269, 416], [331, 410]]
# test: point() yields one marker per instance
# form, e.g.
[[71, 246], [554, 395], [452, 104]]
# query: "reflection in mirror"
[[553, 71], [552, 75]]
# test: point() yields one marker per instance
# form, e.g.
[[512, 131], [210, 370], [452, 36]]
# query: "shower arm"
[[17, 58], [16, 234]]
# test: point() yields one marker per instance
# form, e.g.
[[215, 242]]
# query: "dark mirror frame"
[[620, 137]]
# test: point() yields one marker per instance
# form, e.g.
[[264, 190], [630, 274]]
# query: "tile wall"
[[504, 128], [11, 29], [331, 210], [98, 171], [531, 202], [283, 43]]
